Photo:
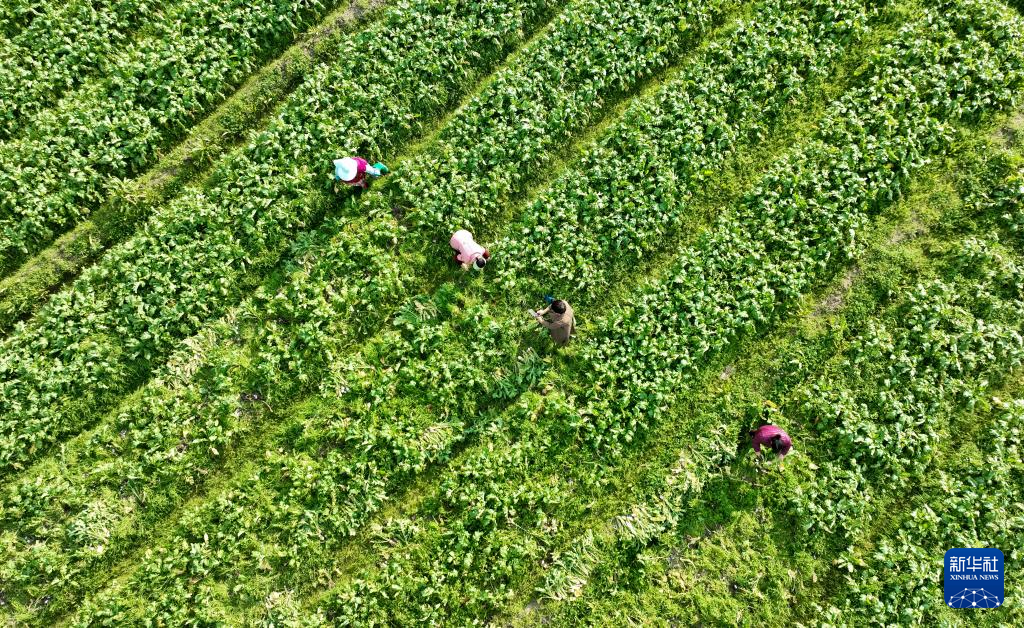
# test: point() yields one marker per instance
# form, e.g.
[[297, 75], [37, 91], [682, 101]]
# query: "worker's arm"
[[548, 324], [544, 311]]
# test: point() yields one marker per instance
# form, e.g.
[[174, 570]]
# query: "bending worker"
[[774, 437], [356, 171], [559, 319], [467, 252]]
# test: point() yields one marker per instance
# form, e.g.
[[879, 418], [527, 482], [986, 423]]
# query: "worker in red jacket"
[[774, 437], [357, 172]]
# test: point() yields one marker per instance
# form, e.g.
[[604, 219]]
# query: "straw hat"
[[346, 168]]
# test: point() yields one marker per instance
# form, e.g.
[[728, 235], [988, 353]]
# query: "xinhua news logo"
[[974, 578]]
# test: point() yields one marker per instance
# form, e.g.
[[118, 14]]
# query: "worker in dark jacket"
[[559, 320], [774, 437]]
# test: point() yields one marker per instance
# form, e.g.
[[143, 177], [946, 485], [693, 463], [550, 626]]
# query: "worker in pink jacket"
[[774, 437], [467, 252]]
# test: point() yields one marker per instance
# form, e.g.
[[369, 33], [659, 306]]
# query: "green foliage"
[[133, 201], [802, 220], [883, 419], [583, 234], [294, 312], [124, 315], [898, 581], [17, 15], [69, 159], [402, 389], [1010, 199], [688, 549], [408, 580], [57, 51]]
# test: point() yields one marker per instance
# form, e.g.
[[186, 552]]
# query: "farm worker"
[[355, 171], [467, 252], [771, 436], [559, 319]]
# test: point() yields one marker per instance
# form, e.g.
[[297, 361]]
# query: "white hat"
[[346, 168]]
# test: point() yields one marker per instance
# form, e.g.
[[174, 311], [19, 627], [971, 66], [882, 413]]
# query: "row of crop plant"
[[570, 112], [212, 403], [188, 161], [472, 541], [69, 158], [99, 338], [116, 294], [647, 557], [309, 491], [56, 53], [975, 503]]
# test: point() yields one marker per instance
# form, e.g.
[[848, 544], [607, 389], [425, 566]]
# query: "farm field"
[[232, 394]]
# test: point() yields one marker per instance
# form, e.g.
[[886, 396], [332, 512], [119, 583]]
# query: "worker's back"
[[766, 434], [560, 324]]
